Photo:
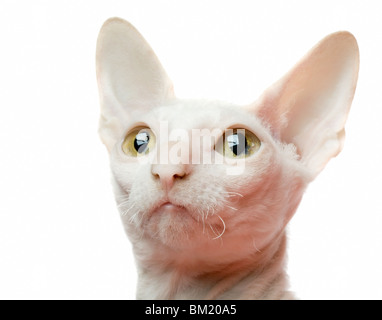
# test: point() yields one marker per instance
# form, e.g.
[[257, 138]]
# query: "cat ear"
[[130, 77], [309, 105]]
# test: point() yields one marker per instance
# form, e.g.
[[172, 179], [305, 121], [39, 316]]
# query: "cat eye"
[[138, 142], [238, 143]]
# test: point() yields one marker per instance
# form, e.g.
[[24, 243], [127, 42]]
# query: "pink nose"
[[167, 173]]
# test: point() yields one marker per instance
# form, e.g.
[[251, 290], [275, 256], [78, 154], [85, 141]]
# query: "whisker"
[[213, 230], [133, 217], [123, 203], [224, 227], [126, 211], [254, 244], [208, 211], [233, 194]]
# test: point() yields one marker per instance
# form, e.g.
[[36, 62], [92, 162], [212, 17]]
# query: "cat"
[[206, 188]]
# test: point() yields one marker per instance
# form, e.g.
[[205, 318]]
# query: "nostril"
[[156, 176], [167, 170], [180, 176]]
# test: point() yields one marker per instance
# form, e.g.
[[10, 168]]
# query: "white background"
[[60, 234]]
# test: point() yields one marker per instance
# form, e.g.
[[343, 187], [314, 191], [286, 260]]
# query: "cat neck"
[[259, 275]]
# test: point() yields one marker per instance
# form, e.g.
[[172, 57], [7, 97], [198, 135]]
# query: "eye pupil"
[[237, 143], [141, 142]]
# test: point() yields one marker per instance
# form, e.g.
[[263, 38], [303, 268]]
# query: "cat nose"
[[168, 173]]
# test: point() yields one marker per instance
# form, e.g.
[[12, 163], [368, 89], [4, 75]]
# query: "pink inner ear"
[[309, 105]]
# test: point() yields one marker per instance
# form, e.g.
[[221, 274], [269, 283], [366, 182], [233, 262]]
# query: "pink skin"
[[217, 229]]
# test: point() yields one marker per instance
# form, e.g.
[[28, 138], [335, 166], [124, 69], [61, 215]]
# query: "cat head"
[[192, 173]]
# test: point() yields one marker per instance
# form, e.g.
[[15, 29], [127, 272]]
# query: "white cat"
[[199, 228]]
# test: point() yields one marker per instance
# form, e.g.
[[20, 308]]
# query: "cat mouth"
[[168, 207], [175, 224]]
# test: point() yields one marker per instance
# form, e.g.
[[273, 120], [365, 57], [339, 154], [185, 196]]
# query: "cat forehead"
[[195, 114]]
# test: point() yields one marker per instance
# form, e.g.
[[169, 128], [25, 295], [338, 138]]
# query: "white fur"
[[230, 241]]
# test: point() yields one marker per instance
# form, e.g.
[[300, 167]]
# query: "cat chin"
[[179, 228], [171, 225]]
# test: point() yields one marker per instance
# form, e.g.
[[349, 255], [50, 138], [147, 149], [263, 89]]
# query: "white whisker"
[[233, 194], [127, 211], [219, 236], [208, 211], [132, 218], [254, 244], [123, 203], [213, 230], [204, 225]]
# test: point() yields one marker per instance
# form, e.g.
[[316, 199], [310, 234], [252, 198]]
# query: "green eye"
[[138, 142], [239, 143]]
